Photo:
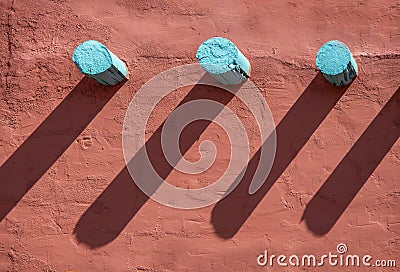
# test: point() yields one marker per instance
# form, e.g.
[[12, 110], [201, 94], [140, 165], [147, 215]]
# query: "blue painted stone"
[[336, 63], [223, 60], [96, 61]]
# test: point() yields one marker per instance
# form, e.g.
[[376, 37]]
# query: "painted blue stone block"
[[96, 61], [336, 63], [223, 60]]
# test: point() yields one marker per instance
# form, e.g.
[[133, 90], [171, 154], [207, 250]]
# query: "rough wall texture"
[[67, 200]]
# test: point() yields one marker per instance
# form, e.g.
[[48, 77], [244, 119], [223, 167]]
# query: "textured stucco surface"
[[67, 201]]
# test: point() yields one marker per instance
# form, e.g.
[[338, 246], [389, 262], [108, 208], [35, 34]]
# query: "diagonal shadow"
[[292, 133], [50, 140], [335, 195], [104, 220]]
